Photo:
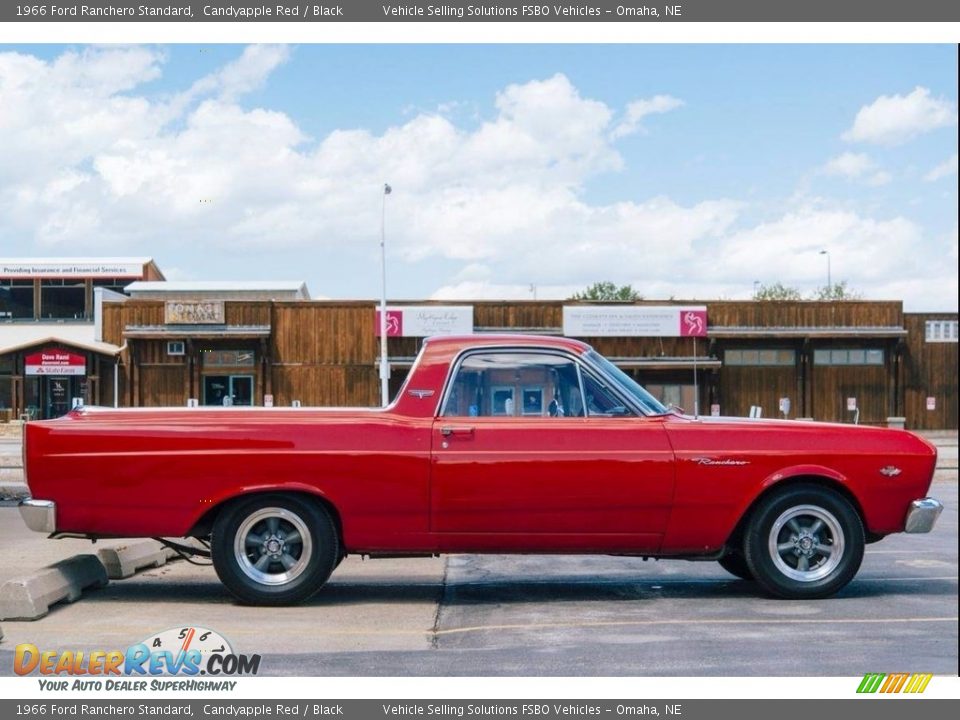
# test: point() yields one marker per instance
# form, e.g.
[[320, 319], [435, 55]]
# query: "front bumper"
[[922, 515], [39, 515]]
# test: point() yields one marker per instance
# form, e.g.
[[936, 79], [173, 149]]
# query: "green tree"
[[837, 291], [608, 292], [776, 291]]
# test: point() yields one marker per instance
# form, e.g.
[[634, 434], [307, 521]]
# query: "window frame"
[[578, 361]]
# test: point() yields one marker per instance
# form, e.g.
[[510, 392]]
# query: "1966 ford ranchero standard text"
[[498, 444]]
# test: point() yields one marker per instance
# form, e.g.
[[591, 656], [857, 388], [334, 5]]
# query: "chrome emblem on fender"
[[420, 394], [890, 471], [713, 461]]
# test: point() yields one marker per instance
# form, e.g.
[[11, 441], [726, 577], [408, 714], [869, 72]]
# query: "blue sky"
[[687, 170]]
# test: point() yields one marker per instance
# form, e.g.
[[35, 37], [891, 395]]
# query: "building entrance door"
[[218, 388], [58, 392]]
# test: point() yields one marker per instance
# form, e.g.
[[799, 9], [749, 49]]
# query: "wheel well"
[[736, 537], [204, 526]]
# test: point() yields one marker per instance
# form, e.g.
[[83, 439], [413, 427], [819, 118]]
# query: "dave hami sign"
[[635, 320], [55, 362]]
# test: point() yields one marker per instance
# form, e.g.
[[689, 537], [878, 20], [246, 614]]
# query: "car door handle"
[[448, 430]]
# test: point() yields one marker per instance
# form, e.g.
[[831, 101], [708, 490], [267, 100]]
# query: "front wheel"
[[274, 549], [804, 542]]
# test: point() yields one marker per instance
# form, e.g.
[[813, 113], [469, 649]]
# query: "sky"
[[687, 171]]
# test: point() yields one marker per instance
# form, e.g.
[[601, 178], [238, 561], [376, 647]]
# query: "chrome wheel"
[[806, 543], [273, 546]]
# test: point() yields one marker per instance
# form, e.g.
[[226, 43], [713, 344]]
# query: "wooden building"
[[852, 361]]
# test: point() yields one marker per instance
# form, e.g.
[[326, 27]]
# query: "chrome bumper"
[[39, 515], [922, 515]]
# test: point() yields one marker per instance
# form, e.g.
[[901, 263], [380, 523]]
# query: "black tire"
[[734, 564], [804, 542], [255, 559]]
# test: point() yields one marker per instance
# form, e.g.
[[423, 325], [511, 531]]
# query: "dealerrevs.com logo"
[[894, 683], [185, 651]]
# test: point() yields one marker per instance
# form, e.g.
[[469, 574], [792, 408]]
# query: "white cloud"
[[856, 166], [945, 169], [639, 109], [895, 119], [849, 165]]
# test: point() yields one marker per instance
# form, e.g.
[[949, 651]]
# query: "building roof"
[[17, 336], [146, 289]]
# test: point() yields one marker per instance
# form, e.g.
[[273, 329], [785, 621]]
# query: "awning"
[[19, 336], [161, 332], [664, 363], [807, 332]]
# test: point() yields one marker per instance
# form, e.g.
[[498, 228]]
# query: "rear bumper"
[[39, 515], [922, 515]]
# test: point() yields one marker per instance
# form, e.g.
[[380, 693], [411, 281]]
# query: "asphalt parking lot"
[[534, 615]]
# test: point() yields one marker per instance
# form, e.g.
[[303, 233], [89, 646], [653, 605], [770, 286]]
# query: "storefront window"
[[16, 299], [62, 299]]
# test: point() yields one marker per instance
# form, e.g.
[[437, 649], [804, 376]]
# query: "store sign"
[[427, 320], [931, 403], [635, 321], [193, 312], [55, 362], [70, 270]]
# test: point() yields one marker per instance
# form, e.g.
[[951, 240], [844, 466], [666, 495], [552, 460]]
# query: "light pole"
[[756, 288], [384, 365], [829, 283]]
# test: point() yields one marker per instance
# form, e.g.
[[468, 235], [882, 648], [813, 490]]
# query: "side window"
[[600, 401], [515, 384]]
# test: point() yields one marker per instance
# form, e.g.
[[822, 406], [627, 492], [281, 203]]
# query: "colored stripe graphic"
[[871, 682], [894, 683]]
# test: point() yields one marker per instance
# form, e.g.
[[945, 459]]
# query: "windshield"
[[647, 401]]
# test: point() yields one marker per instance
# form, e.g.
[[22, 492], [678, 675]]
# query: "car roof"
[[516, 339]]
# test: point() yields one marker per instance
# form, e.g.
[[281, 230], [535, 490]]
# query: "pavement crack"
[[435, 630]]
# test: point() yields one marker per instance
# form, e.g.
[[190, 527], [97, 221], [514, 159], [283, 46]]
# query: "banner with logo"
[[635, 320], [427, 320]]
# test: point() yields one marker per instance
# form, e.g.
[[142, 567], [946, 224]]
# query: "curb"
[[14, 491], [30, 597], [123, 561]]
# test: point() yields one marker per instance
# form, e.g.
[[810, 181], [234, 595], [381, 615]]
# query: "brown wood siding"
[[162, 385], [325, 352], [929, 370], [833, 384], [743, 386]]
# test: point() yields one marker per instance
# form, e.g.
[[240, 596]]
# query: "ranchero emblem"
[[420, 394], [714, 461], [890, 471]]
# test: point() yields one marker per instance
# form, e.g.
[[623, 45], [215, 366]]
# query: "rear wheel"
[[734, 563], [274, 549], [804, 542]]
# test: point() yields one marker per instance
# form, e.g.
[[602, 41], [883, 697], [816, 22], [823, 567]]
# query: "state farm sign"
[[55, 362]]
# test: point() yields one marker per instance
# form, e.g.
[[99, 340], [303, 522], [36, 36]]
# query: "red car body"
[[405, 479]]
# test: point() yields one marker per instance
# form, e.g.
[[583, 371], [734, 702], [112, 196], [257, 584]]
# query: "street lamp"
[[756, 288], [829, 283], [384, 365]]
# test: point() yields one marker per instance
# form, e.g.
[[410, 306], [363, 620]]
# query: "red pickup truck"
[[496, 443]]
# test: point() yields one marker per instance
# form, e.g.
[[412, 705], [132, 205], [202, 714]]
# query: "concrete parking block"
[[13, 490], [30, 597], [123, 561]]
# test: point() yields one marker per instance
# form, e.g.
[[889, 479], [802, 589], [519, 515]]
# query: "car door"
[[532, 452]]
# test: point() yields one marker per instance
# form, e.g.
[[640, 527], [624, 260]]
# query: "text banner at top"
[[478, 11]]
